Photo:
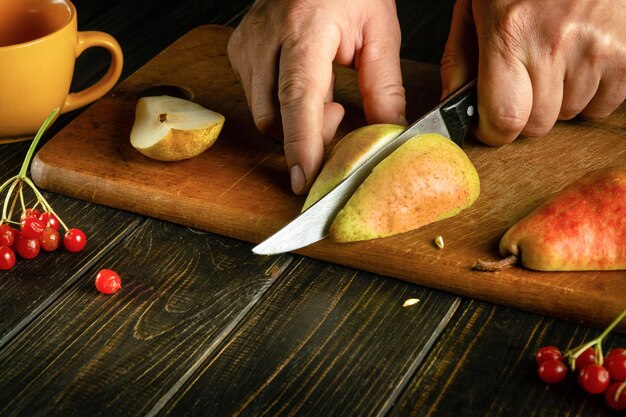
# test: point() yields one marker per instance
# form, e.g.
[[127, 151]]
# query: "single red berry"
[[50, 240], [616, 365], [27, 248], [74, 240], [615, 396], [587, 357], [50, 220], [548, 352], [29, 212], [552, 370], [594, 378], [7, 235], [32, 227], [616, 351], [7, 258], [108, 281]]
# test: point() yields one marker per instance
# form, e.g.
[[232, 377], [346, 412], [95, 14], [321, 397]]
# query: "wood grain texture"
[[240, 188], [484, 365], [324, 342], [92, 354]]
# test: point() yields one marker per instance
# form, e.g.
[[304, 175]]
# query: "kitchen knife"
[[451, 118]]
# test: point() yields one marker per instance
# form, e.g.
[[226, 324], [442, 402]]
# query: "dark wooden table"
[[204, 327]]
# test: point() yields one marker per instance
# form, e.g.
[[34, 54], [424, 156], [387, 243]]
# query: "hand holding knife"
[[451, 118]]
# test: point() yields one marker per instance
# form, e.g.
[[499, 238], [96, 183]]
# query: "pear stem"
[[495, 266]]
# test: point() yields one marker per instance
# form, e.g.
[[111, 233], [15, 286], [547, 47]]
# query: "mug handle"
[[90, 39]]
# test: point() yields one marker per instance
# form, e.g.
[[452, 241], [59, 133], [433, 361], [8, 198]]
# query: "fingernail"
[[445, 93], [402, 120], [298, 180]]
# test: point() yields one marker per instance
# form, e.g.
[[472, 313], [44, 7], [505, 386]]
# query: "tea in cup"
[[39, 43]]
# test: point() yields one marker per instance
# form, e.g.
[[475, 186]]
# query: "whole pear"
[[350, 152], [427, 179], [580, 228]]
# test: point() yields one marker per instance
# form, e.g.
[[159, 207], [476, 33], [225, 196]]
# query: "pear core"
[[172, 129]]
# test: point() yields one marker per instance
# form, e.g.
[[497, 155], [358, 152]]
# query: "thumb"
[[380, 77], [460, 56]]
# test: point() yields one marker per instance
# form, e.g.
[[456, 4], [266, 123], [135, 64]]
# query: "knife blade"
[[451, 118]]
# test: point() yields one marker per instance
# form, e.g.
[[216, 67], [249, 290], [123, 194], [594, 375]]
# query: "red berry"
[[548, 352], [616, 396], [616, 365], [7, 258], [7, 235], [32, 227], [552, 370], [26, 247], [29, 212], [587, 357], [108, 281], [594, 378], [74, 240], [50, 240], [616, 351], [50, 220]]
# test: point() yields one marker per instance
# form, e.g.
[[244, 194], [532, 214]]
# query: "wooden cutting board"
[[240, 186]]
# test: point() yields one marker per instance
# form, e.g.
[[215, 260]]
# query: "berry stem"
[[8, 198], [41, 199], [33, 145], [573, 354]]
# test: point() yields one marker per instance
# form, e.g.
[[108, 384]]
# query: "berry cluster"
[[35, 230], [596, 374]]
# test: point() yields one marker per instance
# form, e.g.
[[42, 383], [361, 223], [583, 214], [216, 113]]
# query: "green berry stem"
[[16, 181], [596, 343], [33, 145], [21, 178], [42, 200]]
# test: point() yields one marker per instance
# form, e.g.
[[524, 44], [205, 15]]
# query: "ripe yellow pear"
[[580, 228], [172, 129], [427, 179], [349, 153]]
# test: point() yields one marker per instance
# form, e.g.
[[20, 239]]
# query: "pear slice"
[[172, 129], [349, 153], [427, 179]]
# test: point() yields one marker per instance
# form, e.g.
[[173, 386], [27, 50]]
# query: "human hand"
[[537, 62], [283, 53]]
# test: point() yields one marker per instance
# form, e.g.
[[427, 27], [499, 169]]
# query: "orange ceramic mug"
[[39, 43]]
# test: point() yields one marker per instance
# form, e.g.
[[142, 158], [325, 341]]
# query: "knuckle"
[[507, 122], [536, 128], [293, 85]]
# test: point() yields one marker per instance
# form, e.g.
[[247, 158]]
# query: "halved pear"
[[172, 129], [427, 179], [349, 153]]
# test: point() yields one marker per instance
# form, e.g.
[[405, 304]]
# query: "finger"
[[257, 70], [547, 98], [263, 101], [458, 62], [579, 87], [305, 76], [333, 114], [610, 95], [380, 76]]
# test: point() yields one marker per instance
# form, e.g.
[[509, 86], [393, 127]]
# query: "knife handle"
[[460, 111]]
